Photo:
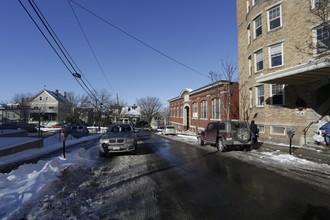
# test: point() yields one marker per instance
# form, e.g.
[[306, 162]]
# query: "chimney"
[[64, 94], [56, 92]]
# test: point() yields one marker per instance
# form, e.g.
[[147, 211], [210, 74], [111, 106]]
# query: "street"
[[175, 180]]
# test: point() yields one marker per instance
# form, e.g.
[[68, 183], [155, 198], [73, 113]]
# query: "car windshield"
[[119, 128], [170, 127]]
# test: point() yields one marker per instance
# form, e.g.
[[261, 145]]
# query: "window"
[[261, 128], [40, 98], [249, 34], [204, 109], [51, 107], [318, 3], [277, 130], [259, 63], [181, 111], [260, 95], [257, 27], [216, 109], [277, 94], [250, 66], [323, 38], [275, 53], [195, 110], [251, 97], [274, 18]]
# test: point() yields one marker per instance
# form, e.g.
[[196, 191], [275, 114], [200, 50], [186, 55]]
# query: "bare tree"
[[321, 45], [76, 106], [227, 73], [150, 106]]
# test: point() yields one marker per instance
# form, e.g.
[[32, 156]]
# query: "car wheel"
[[220, 145], [200, 141], [243, 135], [102, 154]]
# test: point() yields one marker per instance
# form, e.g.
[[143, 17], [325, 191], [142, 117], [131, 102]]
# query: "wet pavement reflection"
[[204, 184]]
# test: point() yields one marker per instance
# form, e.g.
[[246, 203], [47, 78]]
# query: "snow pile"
[[31, 181]]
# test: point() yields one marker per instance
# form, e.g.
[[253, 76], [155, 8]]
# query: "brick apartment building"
[[284, 67], [193, 109]]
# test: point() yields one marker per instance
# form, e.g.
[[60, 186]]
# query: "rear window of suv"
[[236, 125]]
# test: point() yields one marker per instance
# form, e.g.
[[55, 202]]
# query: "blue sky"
[[197, 33]]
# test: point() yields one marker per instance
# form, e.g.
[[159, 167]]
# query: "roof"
[[59, 97], [202, 89], [131, 110]]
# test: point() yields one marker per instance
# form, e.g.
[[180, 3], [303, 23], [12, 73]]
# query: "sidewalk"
[[315, 154]]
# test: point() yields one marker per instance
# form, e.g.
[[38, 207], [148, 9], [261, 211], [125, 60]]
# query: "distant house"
[[130, 114], [12, 113], [51, 106]]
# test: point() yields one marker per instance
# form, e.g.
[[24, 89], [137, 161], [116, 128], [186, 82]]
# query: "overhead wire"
[[51, 32], [61, 46], [60, 42], [90, 46], [138, 40]]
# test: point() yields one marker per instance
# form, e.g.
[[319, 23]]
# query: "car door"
[[211, 132]]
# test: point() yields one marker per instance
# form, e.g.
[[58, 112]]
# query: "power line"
[[56, 39], [90, 46], [140, 41]]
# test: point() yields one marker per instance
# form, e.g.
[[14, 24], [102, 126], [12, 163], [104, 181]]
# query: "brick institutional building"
[[193, 109], [283, 50]]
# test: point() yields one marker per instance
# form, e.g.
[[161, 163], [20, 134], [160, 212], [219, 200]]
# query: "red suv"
[[225, 134]]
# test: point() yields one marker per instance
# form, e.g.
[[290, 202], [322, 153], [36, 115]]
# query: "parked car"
[[226, 134], [168, 130], [58, 126], [119, 138], [78, 131], [160, 128]]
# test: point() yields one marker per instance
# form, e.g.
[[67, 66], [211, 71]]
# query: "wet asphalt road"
[[197, 183]]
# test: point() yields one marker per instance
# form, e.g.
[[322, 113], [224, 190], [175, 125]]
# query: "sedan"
[[169, 130]]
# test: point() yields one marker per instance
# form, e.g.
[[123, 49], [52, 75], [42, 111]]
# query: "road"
[[174, 180]]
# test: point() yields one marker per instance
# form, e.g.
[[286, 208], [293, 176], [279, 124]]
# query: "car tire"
[[243, 135], [220, 145], [102, 154], [200, 141]]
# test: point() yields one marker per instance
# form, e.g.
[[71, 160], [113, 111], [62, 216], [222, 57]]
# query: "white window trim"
[[195, 113], [249, 34], [251, 97], [255, 28], [261, 131], [206, 109], [255, 61], [313, 2], [250, 65], [271, 95], [270, 56], [219, 109], [273, 133], [268, 21], [257, 97]]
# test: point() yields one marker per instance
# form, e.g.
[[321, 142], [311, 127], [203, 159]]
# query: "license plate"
[[116, 148]]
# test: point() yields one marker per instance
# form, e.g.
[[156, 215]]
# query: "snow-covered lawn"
[[26, 183]]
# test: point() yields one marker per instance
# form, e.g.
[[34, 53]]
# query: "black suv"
[[224, 134]]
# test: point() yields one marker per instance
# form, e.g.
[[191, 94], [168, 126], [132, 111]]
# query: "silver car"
[[169, 130], [120, 138]]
